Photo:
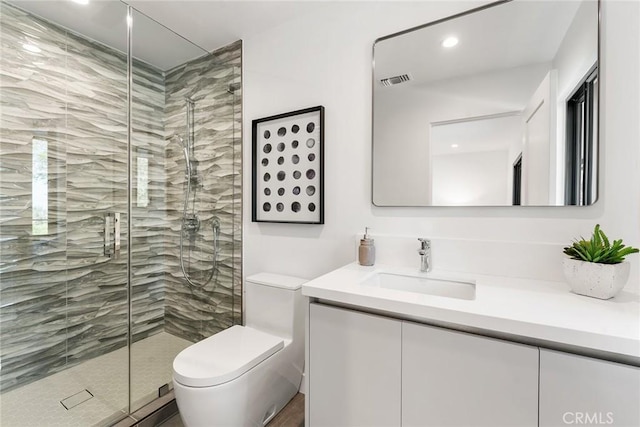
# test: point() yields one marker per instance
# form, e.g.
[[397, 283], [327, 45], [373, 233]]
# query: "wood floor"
[[291, 415]]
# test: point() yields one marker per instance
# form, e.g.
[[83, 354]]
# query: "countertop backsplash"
[[537, 261]]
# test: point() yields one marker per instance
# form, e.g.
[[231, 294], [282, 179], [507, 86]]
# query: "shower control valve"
[[191, 223]]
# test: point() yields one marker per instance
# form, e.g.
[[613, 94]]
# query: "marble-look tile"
[[188, 310]]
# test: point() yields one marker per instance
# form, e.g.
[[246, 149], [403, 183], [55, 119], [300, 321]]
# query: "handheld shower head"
[[185, 152], [179, 139]]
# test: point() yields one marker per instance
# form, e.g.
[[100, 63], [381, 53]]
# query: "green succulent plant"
[[598, 249]]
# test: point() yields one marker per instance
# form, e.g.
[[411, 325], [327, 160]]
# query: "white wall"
[[577, 52], [326, 59], [473, 178], [405, 113], [539, 142]]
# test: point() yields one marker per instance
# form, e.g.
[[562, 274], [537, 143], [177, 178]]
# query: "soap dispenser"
[[366, 250]]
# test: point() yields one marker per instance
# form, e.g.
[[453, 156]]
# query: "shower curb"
[[152, 414]]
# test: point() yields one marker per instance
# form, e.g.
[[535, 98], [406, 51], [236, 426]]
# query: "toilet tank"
[[274, 304]]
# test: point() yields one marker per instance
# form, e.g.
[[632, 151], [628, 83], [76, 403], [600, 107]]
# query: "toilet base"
[[252, 399]]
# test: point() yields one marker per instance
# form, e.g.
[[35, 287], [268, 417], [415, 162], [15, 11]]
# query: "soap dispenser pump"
[[366, 250]]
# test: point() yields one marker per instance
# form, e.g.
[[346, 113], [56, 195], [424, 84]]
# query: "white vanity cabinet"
[[354, 372], [583, 391], [370, 370], [457, 379]]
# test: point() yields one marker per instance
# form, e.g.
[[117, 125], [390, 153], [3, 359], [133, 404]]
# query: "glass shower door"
[[94, 307], [153, 348], [186, 212], [63, 194]]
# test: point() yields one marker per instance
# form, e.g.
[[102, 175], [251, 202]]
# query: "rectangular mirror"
[[497, 106]]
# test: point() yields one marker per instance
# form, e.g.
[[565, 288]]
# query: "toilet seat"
[[224, 356]]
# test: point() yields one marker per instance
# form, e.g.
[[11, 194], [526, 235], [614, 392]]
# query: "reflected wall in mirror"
[[497, 106]]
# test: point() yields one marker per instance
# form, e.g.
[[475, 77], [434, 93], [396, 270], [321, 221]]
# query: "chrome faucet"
[[425, 255]]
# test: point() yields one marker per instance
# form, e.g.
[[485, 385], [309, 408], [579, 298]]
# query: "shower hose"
[[215, 225]]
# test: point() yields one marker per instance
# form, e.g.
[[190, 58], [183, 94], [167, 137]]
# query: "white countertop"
[[540, 310]]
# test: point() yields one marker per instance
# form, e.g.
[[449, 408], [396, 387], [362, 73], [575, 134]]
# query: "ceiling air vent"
[[395, 80]]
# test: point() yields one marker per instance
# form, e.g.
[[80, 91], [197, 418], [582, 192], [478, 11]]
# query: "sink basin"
[[422, 285]]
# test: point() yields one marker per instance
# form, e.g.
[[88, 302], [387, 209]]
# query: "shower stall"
[[120, 207]]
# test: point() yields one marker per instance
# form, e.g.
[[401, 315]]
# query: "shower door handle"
[[112, 235], [116, 234]]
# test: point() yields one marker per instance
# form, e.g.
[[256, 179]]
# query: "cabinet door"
[[584, 391], [457, 379], [354, 372]]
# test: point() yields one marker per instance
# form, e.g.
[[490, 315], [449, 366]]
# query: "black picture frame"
[[288, 167]]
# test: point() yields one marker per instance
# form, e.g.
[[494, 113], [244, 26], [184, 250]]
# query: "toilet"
[[244, 375]]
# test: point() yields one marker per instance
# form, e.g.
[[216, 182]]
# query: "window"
[[516, 194], [39, 187], [582, 143], [142, 187]]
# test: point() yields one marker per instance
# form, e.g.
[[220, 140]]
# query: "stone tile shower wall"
[[62, 301], [197, 312], [148, 210]]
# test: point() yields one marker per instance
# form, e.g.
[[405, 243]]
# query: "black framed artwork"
[[288, 167]]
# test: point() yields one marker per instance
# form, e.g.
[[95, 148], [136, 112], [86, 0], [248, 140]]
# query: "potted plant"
[[596, 268]]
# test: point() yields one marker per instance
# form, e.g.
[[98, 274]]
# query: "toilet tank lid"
[[277, 280], [224, 356]]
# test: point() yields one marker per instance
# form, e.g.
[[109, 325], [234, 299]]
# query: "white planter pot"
[[602, 281]]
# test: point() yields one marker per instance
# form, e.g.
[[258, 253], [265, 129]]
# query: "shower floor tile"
[[152, 366], [106, 377]]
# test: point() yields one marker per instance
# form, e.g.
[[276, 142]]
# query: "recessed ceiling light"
[[450, 42], [454, 145], [81, 1], [31, 48]]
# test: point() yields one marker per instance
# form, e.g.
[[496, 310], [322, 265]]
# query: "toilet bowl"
[[244, 375]]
